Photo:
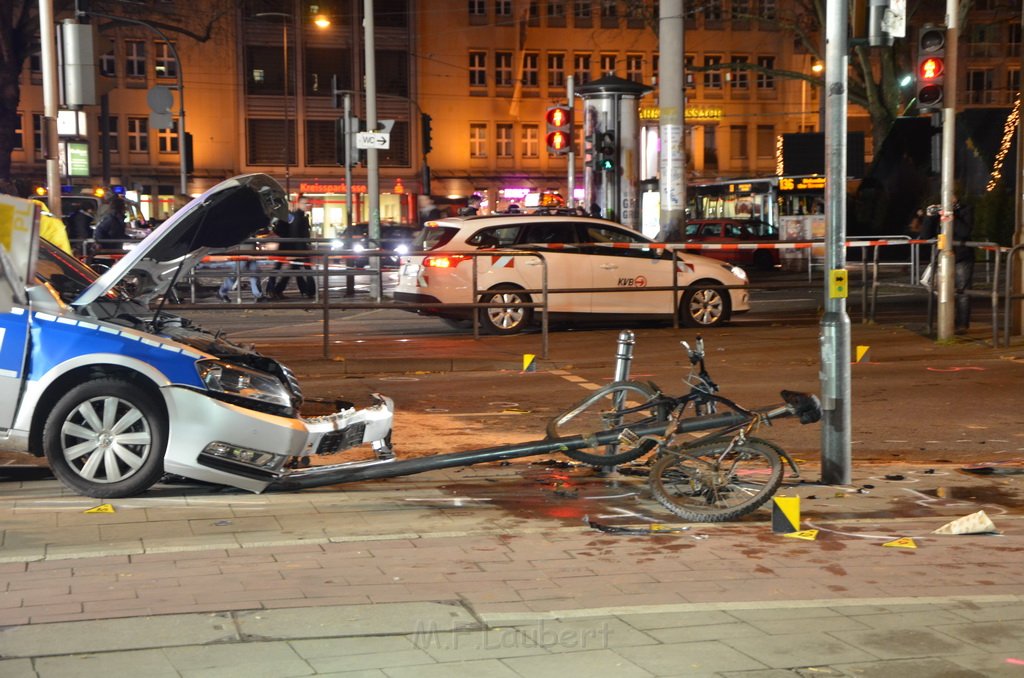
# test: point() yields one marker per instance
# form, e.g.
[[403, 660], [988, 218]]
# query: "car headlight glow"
[[401, 249], [737, 271], [242, 382], [358, 248]]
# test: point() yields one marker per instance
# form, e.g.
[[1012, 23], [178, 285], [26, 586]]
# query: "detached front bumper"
[[217, 442]]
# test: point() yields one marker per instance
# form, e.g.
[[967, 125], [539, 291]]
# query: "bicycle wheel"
[[705, 484], [626, 403]]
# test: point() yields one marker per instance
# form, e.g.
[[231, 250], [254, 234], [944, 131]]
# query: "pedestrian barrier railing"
[[1013, 285], [326, 264]]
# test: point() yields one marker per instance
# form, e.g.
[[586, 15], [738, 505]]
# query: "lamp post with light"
[[287, 19]]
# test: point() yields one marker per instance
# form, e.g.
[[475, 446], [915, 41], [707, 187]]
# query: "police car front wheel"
[[106, 438]]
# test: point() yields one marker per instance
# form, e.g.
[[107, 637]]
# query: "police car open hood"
[[224, 216]]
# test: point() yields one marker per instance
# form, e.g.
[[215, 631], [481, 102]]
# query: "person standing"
[[79, 224], [296, 232], [111, 230]]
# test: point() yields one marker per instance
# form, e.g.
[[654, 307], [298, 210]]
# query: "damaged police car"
[[116, 395]]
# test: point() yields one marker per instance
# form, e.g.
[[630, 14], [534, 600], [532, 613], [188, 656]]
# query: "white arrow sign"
[[373, 140]]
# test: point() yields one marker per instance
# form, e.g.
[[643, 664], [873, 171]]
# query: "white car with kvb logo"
[[117, 394], [593, 266]]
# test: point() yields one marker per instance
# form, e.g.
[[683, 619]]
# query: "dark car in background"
[[395, 240], [748, 232]]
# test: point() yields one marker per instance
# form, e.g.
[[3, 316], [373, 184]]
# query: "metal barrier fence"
[[327, 264]]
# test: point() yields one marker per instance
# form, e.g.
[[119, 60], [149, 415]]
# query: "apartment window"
[[478, 69], [503, 140], [688, 63], [766, 139], [478, 140], [713, 76], [138, 135], [979, 85], [265, 141], [531, 69], [713, 11], [738, 142], [1013, 40], [635, 67], [167, 139], [35, 60], [608, 64], [503, 69], [323, 64], [766, 79], [164, 63], [113, 138], [581, 68], [134, 59], [740, 10], [556, 13], [37, 134], [609, 14], [503, 11], [767, 10], [108, 64], [556, 70], [1013, 83], [582, 15], [531, 141], [477, 8], [533, 13], [740, 77], [19, 142]]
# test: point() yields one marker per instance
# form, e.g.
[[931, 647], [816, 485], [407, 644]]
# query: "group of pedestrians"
[[294, 235]]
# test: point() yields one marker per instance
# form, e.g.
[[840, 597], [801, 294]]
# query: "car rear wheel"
[[704, 306], [510, 319], [106, 438]]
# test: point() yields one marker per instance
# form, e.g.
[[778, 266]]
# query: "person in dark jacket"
[[110, 232], [963, 255], [79, 224], [296, 230]]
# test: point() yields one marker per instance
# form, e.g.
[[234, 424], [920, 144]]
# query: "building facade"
[[263, 85]]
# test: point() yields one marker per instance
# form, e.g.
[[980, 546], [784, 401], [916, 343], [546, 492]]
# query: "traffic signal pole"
[[570, 172], [947, 264], [835, 323]]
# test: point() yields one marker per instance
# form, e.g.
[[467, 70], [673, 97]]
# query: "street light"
[[286, 19], [321, 21]]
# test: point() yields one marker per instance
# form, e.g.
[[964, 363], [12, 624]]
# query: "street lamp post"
[[285, 20]]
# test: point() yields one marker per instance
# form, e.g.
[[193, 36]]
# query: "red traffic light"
[[931, 68], [558, 117], [558, 141], [559, 129]]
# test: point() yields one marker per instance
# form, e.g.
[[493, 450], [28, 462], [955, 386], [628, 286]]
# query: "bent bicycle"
[[725, 473]]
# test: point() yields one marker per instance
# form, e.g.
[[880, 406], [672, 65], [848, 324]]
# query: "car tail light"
[[445, 260]]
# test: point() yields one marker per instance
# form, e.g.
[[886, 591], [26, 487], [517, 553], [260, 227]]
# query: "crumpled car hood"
[[224, 216]]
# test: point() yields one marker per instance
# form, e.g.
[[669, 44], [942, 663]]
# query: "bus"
[[765, 199]]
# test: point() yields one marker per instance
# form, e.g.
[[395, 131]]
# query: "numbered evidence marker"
[[102, 508], [902, 543]]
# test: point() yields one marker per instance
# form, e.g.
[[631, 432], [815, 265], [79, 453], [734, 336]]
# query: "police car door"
[[13, 335], [624, 261], [557, 242]]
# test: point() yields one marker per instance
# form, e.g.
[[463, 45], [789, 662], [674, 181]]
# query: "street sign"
[[373, 140]]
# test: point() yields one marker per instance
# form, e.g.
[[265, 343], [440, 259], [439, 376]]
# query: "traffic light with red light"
[[559, 129], [931, 66]]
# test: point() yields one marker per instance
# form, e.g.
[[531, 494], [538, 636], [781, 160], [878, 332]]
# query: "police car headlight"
[[736, 271], [241, 382]]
